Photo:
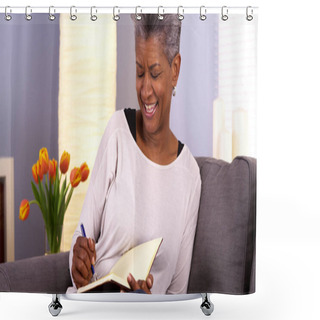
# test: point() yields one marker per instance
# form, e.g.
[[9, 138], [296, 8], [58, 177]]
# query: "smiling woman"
[[140, 160]]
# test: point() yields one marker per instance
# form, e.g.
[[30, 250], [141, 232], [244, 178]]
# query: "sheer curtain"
[[234, 110], [87, 94]]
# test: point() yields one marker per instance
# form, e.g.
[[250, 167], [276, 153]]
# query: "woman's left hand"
[[141, 284]]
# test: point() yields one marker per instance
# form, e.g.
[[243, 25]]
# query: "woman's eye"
[[153, 75]]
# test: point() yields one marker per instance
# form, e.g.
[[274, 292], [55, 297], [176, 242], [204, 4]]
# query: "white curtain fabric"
[[234, 110], [87, 97]]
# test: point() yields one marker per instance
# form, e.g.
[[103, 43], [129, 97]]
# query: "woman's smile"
[[150, 109]]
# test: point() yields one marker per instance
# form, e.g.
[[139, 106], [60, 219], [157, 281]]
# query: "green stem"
[[48, 201], [43, 202], [36, 202]]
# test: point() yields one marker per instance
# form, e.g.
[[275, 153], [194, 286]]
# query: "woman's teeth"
[[150, 108]]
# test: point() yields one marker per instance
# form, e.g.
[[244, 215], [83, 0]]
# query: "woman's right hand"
[[84, 254]]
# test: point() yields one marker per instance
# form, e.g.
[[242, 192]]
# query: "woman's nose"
[[146, 90]]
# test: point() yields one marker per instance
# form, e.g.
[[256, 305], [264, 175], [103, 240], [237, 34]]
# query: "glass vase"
[[53, 239]]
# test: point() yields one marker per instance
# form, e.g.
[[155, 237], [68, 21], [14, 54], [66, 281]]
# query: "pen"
[[84, 235]]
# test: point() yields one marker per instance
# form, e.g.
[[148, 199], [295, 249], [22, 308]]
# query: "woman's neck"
[[160, 147]]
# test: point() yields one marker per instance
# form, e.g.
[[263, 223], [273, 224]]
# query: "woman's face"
[[155, 79]]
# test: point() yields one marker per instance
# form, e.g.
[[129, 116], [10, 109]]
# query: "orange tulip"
[[44, 160], [35, 172], [84, 171], [75, 177], [64, 162], [24, 209], [52, 170]]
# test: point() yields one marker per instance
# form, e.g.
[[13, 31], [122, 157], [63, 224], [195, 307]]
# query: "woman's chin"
[[150, 128]]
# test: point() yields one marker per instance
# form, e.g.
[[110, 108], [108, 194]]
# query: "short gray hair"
[[167, 31]]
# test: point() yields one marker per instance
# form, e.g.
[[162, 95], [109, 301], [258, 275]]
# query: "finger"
[[144, 287], [88, 245], [82, 268], [91, 244], [78, 279], [84, 244], [150, 281], [132, 282], [92, 247], [81, 260]]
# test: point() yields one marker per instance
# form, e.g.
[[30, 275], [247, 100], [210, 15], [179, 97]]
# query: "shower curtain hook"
[[138, 17], [7, 16], [224, 13], [28, 15], [203, 15], [249, 16], [52, 16], [180, 15], [160, 16], [93, 17], [73, 16], [116, 17]]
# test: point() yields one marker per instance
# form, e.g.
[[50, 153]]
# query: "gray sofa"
[[224, 249]]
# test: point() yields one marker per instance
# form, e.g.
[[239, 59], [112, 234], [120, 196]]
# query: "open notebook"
[[137, 261]]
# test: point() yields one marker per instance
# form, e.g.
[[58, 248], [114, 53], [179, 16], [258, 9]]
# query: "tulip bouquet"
[[53, 195]]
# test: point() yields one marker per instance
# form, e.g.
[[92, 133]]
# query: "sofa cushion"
[[43, 274], [224, 249]]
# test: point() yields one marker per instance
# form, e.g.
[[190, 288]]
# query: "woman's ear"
[[175, 69]]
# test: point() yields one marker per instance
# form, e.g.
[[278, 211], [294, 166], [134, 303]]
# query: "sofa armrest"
[[43, 274], [223, 258]]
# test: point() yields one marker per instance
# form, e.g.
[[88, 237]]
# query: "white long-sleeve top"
[[131, 200]]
